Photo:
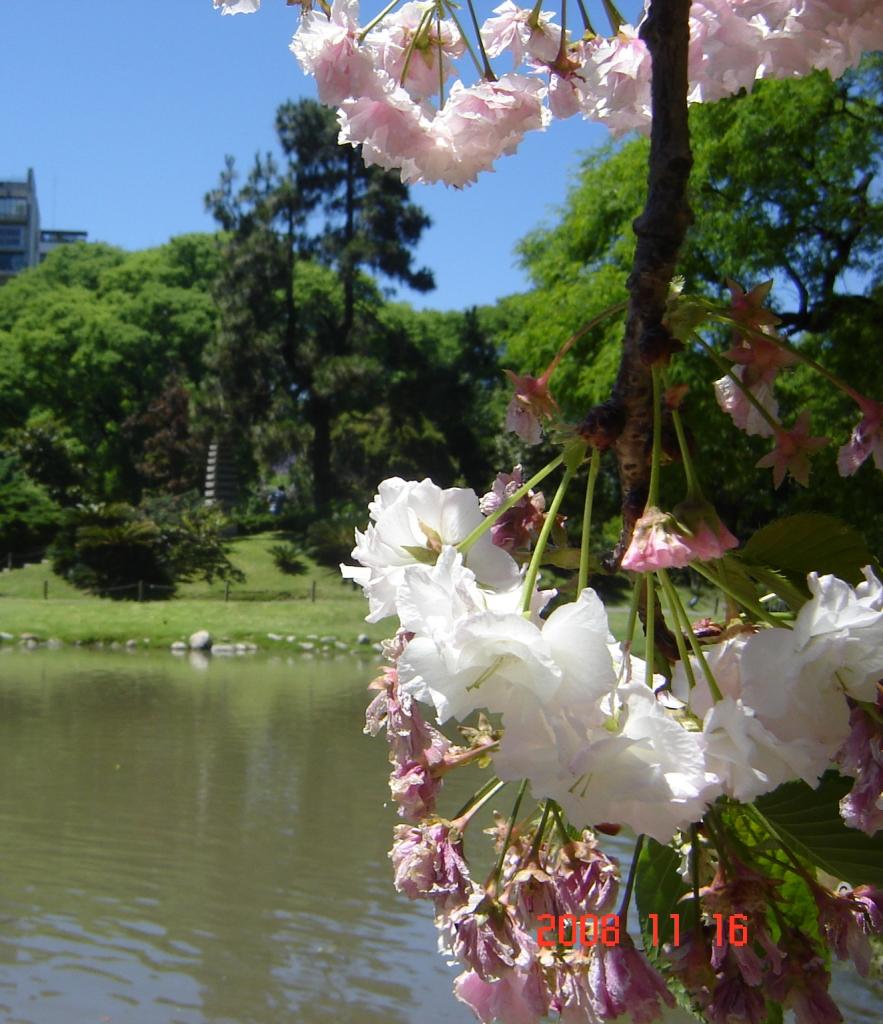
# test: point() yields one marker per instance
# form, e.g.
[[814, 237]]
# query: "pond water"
[[193, 840]]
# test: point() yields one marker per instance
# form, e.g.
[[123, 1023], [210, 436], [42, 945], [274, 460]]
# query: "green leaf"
[[658, 890], [808, 821], [793, 595], [809, 542]]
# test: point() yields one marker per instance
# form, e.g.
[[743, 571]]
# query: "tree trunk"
[[660, 230]]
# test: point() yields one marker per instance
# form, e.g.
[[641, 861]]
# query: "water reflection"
[[200, 846], [187, 843]]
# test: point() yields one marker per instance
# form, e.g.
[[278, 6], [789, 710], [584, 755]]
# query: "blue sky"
[[126, 110]]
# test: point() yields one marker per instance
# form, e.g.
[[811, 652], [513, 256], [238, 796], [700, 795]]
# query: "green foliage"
[[28, 516], [108, 548], [659, 889], [288, 558], [809, 822], [87, 342], [798, 545], [783, 187], [330, 539]]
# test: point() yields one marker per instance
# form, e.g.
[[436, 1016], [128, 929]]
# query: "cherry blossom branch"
[[659, 230]]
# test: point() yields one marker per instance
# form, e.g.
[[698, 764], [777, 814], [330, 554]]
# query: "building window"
[[13, 208], [12, 262], [12, 237]]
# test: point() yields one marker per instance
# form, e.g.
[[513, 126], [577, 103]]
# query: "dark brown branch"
[[660, 230]]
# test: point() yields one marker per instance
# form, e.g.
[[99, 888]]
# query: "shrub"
[[289, 559], [109, 548], [28, 516]]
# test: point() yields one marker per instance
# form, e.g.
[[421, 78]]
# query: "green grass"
[[285, 606]]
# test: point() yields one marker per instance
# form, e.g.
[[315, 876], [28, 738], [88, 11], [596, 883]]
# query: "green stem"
[[559, 822], [650, 631], [613, 16], [453, 16], [498, 871], [728, 371], [441, 63], [630, 882], [755, 607], [694, 874], [536, 557], [653, 490], [584, 14], [487, 523], [477, 799], [681, 615], [562, 45], [376, 20], [679, 635], [583, 578], [632, 620], [488, 70], [412, 45], [541, 828], [693, 488]]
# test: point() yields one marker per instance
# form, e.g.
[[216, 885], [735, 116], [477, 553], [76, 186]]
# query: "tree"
[[276, 355], [87, 341], [781, 188]]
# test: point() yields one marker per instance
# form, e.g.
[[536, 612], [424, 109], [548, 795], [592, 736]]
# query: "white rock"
[[6, 636], [178, 647], [201, 640], [273, 636], [363, 638], [223, 649]]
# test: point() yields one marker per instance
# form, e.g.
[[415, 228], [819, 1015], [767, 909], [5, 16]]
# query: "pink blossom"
[[485, 935], [328, 47], [732, 400], [792, 452], [803, 983], [531, 402], [704, 532], [843, 922], [621, 981], [724, 50], [734, 1000], [417, 749], [619, 94], [391, 128], [746, 308], [237, 6], [512, 30], [657, 543], [519, 524], [482, 122], [428, 863], [866, 439], [517, 997], [861, 757], [408, 37]]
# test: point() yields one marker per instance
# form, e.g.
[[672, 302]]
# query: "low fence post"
[[226, 591], [45, 590], [140, 590], [313, 592]]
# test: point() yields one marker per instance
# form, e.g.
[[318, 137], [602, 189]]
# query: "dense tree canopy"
[[785, 185]]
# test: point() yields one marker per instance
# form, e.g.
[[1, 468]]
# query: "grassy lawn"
[[269, 601]]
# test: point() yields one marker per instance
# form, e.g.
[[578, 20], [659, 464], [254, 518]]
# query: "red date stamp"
[[589, 930]]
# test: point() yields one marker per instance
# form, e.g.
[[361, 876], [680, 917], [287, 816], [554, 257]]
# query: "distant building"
[[22, 242]]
